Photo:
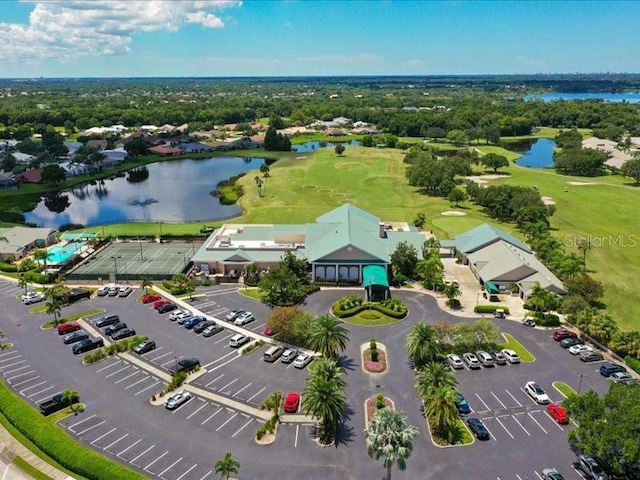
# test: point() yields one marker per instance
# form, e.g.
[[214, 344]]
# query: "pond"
[[170, 191], [535, 153], [607, 97], [311, 146]]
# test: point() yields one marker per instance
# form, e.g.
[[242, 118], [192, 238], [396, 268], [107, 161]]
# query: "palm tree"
[[53, 308], [258, 181], [41, 255], [428, 268], [422, 344], [226, 466], [71, 396], [146, 284], [325, 400], [328, 336], [23, 282], [389, 437], [441, 410], [329, 369], [584, 245], [433, 376], [451, 291], [541, 299], [431, 247]]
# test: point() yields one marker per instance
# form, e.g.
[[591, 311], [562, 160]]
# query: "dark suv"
[[185, 365], [106, 321], [478, 429], [606, 369], [111, 329]]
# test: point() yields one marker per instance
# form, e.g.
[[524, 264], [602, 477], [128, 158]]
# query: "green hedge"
[[632, 362], [8, 267], [55, 443], [548, 320], [366, 306], [490, 309]]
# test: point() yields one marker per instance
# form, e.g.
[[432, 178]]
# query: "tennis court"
[[135, 260]]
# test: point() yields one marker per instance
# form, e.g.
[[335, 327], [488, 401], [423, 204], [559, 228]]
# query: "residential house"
[[165, 150], [194, 147], [23, 158], [7, 183], [98, 144], [73, 147], [115, 155], [33, 175], [21, 240], [73, 169]]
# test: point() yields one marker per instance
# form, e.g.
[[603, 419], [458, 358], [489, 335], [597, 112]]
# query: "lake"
[[173, 191], [536, 153], [311, 146], [607, 97]]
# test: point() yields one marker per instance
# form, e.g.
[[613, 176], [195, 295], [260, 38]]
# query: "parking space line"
[[187, 472], [24, 390], [242, 428], [42, 399], [554, 422], [18, 376], [128, 376], [214, 380], [514, 398], [541, 427], [80, 422], [499, 401], [146, 377], [134, 459], [229, 384], [232, 352], [147, 388], [169, 467], [537, 474], [26, 381], [91, 428], [505, 428], [242, 389], [256, 394], [173, 360], [129, 447], [207, 474], [295, 441], [533, 403], [224, 338], [109, 366], [151, 464], [17, 369], [102, 436], [518, 422], [155, 359], [12, 364], [483, 402], [10, 358], [12, 352], [204, 404], [118, 371], [490, 433], [228, 420], [225, 363], [212, 415], [115, 441]]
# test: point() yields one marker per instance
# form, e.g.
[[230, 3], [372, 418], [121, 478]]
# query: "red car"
[[268, 332], [563, 333], [158, 303], [151, 297], [65, 328], [291, 403], [558, 413]]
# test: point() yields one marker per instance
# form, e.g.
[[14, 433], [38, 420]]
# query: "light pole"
[[580, 384], [115, 267]]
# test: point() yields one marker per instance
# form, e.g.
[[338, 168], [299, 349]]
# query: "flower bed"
[[370, 407], [374, 367]]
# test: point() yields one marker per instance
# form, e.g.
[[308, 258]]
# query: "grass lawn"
[[525, 355], [73, 317], [466, 438], [29, 469], [253, 293], [565, 390], [370, 318]]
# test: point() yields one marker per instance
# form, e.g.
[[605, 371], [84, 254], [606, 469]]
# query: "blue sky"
[[100, 38]]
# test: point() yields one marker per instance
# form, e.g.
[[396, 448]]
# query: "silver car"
[[455, 361], [471, 360], [289, 355]]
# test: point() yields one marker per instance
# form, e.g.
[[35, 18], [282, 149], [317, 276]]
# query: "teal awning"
[[491, 287], [375, 275]]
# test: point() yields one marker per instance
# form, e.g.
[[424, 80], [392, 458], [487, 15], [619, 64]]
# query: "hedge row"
[[547, 320], [57, 444], [490, 309], [632, 362], [368, 306]]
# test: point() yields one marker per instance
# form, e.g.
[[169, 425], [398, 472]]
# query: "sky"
[[183, 38]]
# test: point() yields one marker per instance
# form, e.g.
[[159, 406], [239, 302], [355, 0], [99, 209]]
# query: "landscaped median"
[[56, 444], [512, 344], [72, 318], [354, 309]]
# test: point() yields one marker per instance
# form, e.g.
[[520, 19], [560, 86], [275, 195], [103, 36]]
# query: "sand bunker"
[[300, 158], [453, 213], [482, 179], [581, 183], [547, 200]]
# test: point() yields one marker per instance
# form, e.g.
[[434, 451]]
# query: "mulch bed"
[[371, 366]]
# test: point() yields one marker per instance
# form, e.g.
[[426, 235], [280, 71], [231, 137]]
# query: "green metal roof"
[[491, 287], [375, 275], [483, 235]]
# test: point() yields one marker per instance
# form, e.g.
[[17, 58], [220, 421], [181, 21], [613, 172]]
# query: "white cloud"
[[68, 29], [415, 63], [357, 58], [531, 62]]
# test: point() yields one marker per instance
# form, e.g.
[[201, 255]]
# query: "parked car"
[[576, 349], [74, 337], [173, 316], [162, 301], [111, 329], [558, 413], [272, 353], [233, 314], [199, 328], [289, 355], [591, 468], [455, 361], [471, 360], [563, 333], [499, 313], [621, 377], [177, 399], [527, 322], [185, 365], [151, 298], [212, 330], [511, 355], [478, 429], [291, 403], [302, 360], [485, 359], [238, 340], [183, 317], [144, 347], [606, 369], [65, 328], [189, 323], [536, 392], [167, 307], [551, 474], [125, 291], [246, 317], [77, 294], [570, 342], [268, 331], [499, 358], [87, 344], [103, 291], [590, 356], [461, 403], [113, 290], [32, 297], [106, 320], [56, 403], [124, 333]]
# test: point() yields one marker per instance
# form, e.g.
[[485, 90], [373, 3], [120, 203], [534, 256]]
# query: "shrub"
[[8, 267], [380, 401], [490, 308], [373, 345], [395, 308], [548, 320], [177, 380], [399, 280], [205, 282], [95, 356], [261, 432], [633, 363]]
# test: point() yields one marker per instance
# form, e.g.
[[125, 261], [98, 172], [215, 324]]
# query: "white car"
[[177, 313], [620, 377], [177, 399], [302, 360], [32, 297], [512, 356], [238, 340], [455, 361], [536, 392], [243, 319], [576, 349], [471, 360]]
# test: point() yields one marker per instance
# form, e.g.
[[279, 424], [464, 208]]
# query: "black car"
[[106, 320], [167, 308], [199, 328], [570, 342], [87, 344], [110, 330], [74, 337], [478, 429], [608, 368], [185, 365], [124, 333], [144, 347]]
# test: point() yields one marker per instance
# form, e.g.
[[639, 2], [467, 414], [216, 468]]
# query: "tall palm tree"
[[226, 466], [390, 438], [41, 255], [433, 376], [541, 299], [23, 282], [70, 396], [53, 308], [328, 336], [451, 291], [422, 344], [146, 284], [325, 400], [431, 247], [441, 410], [329, 369], [584, 244]]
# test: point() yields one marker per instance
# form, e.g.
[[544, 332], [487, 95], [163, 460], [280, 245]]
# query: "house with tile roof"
[[337, 246]]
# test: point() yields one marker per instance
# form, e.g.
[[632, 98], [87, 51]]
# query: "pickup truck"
[[54, 405]]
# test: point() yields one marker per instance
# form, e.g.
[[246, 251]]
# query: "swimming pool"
[[61, 254]]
